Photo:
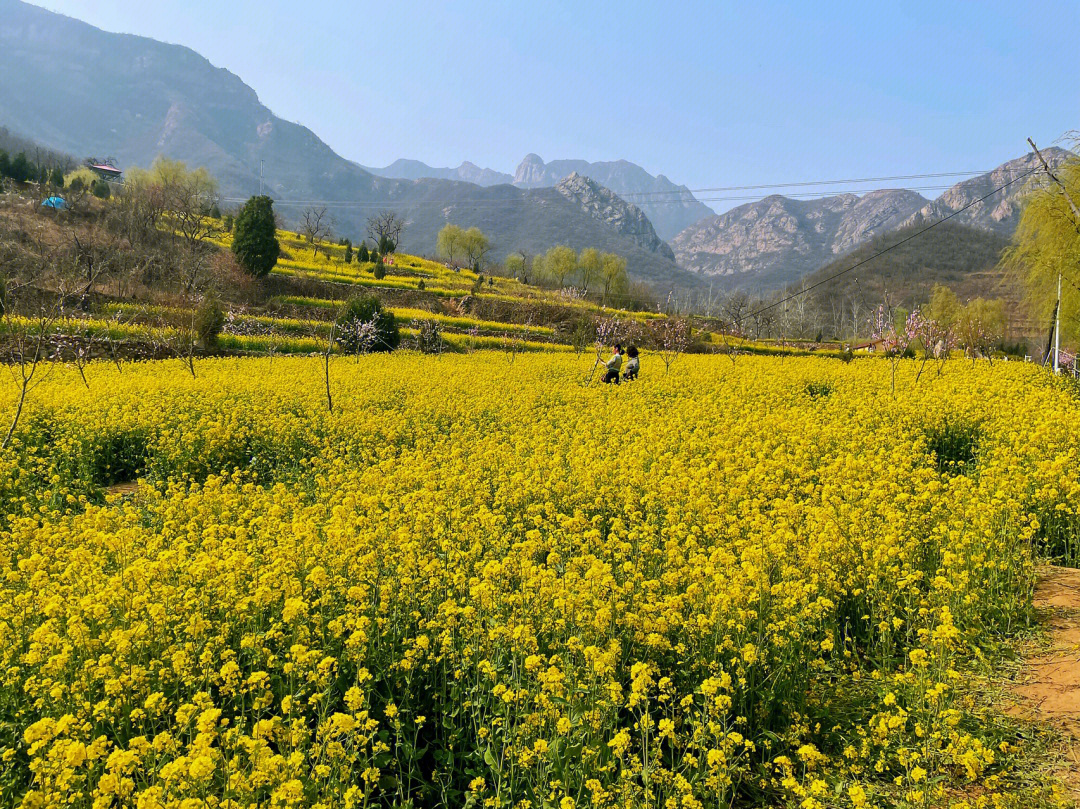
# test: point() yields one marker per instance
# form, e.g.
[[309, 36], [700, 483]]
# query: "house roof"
[[106, 169]]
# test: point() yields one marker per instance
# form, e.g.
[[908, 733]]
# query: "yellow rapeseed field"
[[481, 583]]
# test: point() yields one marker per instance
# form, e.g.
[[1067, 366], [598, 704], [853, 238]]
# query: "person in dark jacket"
[[633, 365]]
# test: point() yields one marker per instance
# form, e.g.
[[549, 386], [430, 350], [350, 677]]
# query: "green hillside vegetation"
[[959, 257]]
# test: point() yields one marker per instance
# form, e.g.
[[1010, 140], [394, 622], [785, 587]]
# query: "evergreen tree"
[[100, 189], [255, 242], [57, 178], [5, 164], [20, 168], [362, 253], [348, 251]]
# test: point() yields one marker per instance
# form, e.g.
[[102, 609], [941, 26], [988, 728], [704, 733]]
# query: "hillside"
[[959, 256], [167, 99], [767, 244]]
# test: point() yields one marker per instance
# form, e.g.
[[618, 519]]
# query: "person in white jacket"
[[614, 365]]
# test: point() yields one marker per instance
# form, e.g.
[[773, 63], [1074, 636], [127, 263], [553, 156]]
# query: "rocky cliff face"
[[532, 173], [772, 242], [1001, 212], [669, 207], [608, 207]]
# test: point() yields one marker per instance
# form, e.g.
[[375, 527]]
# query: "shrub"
[[209, 321], [364, 326], [100, 189], [427, 337], [817, 390], [420, 285], [380, 271]]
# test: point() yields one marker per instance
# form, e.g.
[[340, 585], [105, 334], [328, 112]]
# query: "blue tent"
[[56, 203]]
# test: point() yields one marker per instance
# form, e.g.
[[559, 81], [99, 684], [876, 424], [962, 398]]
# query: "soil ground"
[[1048, 684]]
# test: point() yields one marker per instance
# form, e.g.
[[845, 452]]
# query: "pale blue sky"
[[708, 93]]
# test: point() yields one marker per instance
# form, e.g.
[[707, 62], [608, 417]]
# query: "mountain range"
[[76, 88], [775, 241], [670, 207]]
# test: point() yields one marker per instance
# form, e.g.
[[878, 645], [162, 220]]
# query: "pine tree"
[[20, 168], [255, 242], [362, 253]]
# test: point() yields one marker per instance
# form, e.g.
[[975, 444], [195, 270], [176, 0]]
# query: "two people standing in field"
[[614, 365]]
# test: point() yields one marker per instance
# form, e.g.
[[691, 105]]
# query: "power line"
[[421, 203], [891, 247], [805, 183], [677, 196]]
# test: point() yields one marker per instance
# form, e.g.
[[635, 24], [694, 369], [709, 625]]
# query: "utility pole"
[[1057, 328]]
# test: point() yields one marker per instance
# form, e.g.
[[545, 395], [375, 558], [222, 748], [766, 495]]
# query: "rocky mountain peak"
[[777, 239], [530, 171], [605, 205], [999, 213]]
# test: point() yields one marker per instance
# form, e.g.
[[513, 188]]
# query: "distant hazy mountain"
[[670, 207], [416, 170], [774, 241], [76, 88]]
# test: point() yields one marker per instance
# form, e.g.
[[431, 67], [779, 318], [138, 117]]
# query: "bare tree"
[[385, 229], [189, 197], [316, 225], [30, 349], [516, 343], [672, 338]]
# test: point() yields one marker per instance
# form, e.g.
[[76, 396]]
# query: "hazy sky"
[[708, 93]]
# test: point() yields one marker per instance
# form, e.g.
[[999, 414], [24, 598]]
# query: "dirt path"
[[1049, 682]]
